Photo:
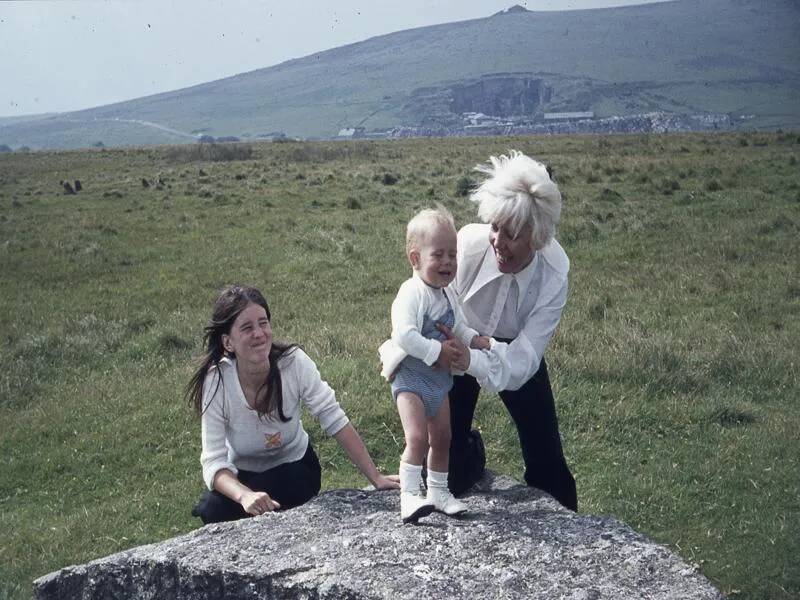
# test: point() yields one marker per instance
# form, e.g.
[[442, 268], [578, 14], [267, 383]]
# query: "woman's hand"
[[257, 503], [253, 503], [454, 350], [387, 482], [349, 439], [449, 356]]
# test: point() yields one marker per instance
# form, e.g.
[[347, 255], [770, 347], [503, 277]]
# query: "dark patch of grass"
[[609, 195], [464, 186], [780, 224], [140, 325], [732, 417], [670, 186], [599, 309], [170, 343], [574, 232]]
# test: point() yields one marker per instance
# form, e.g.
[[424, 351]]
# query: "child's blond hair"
[[423, 223]]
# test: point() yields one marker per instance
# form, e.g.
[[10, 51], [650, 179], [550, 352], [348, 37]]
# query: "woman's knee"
[[217, 508]]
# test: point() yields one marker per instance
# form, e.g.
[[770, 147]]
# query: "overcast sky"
[[61, 55]]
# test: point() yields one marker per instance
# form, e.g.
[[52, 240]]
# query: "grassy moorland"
[[675, 366]]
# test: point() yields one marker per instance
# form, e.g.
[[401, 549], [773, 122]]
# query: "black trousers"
[[533, 411], [290, 484]]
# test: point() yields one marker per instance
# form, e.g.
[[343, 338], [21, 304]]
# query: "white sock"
[[437, 479], [411, 477]]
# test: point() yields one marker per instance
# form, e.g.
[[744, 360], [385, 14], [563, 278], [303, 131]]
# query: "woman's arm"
[[214, 454], [321, 402], [253, 503], [509, 366], [349, 439]]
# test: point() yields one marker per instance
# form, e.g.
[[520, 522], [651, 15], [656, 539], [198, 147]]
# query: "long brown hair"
[[232, 301]]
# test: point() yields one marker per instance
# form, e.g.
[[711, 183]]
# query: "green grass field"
[[675, 367]]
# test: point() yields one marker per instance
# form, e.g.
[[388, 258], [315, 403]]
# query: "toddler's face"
[[435, 260]]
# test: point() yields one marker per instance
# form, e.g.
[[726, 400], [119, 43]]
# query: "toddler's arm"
[[405, 328]]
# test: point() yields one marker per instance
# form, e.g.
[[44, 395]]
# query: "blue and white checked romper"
[[414, 376]]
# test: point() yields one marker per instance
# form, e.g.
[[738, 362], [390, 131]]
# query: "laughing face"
[[512, 252], [250, 338], [435, 260]]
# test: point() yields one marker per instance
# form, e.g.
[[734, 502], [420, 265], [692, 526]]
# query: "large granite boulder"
[[517, 542]]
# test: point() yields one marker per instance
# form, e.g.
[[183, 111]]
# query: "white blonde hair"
[[519, 192], [423, 223]]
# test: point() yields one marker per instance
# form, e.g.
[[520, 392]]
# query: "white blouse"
[[524, 307]]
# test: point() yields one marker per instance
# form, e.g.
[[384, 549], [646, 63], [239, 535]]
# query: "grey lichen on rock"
[[516, 542]]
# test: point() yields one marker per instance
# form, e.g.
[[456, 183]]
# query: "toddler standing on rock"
[[419, 358]]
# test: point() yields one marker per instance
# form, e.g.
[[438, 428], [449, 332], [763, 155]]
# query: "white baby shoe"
[[441, 498], [414, 506]]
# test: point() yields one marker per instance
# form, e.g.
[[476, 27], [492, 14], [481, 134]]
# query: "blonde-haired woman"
[[512, 286]]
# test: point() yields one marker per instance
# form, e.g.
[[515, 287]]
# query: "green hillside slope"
[[689, 56]]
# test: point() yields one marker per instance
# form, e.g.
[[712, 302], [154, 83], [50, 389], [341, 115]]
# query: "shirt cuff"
[[433, 352], [336, 426], [478, 364]]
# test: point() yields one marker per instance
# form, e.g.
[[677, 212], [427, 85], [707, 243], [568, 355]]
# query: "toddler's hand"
[[481, 342]]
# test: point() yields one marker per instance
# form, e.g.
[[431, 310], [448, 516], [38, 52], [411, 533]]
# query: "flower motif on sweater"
[[273, 440]]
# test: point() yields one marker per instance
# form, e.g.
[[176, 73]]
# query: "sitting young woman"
[[249, 390]]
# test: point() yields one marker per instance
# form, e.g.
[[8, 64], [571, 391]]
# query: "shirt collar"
[[489, 272], [524, 277]]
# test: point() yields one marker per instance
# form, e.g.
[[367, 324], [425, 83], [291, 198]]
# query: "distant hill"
[[740, 57]]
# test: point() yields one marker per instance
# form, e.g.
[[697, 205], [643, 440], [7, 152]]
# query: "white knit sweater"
[[233, 435]]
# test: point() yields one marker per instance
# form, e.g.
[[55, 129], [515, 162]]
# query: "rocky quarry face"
[[501, 96], [516, 542]]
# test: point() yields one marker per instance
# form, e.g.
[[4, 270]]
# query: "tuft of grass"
[[732, 417], [670, 186], [464, 186], [388, 179], [609, 195], [170, 343]]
